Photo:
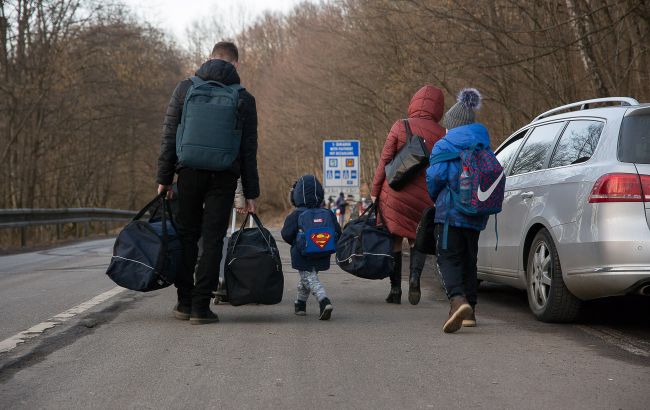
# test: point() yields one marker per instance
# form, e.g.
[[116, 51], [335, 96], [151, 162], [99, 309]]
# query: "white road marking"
[[618, 339], [34, 331]]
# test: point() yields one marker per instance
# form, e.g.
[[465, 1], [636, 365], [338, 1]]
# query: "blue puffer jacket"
[[308, 193], [446, 173]]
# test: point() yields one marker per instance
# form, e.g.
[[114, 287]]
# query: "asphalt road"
[[128, 351]]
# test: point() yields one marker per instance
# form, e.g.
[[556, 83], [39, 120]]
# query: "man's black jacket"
[[246, 163]]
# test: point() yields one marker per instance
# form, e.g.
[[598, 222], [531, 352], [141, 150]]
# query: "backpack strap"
[[196, 80], [407, 128], [496, 233], [445, 231], [443, 157]]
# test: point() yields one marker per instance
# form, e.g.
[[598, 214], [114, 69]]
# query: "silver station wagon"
[[575, 223]]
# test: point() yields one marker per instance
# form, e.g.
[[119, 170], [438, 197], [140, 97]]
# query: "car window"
[[507, 153], [577, 144], [634, 142], [536, 148]]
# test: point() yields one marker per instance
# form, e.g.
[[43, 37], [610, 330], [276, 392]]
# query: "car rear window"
[[634, 142], [577, 144]]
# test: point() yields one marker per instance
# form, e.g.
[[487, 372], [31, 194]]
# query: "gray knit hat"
[[462, 113]]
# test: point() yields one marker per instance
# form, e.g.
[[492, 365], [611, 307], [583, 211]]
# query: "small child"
[[312, 232]]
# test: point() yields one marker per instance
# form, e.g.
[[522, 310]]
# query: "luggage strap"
[[166, 211], [259, 226]]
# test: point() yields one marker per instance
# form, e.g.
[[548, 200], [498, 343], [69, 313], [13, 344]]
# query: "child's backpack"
[[481, 182], [316, 232], [209, 134]]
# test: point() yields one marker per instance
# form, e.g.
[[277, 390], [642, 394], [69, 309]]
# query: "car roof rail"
[[584, 105]]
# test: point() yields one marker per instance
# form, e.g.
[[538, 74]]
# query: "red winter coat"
[[401, 210]]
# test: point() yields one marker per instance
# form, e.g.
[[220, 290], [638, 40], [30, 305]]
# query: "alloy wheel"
[[540, 275]]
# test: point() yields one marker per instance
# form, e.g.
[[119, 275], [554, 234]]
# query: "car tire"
[[548, 297]]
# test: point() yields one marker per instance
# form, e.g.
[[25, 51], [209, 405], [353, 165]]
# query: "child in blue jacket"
[[307, 194], [457, 261]]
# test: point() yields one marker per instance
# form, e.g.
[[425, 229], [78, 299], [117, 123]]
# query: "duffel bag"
[[147, 255], [253, 269], [425, 238], [365, 248]]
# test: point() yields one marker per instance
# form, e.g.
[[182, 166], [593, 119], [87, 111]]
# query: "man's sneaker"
[[325, 309], [459, 311], [203, 317], [471, 320], [182, 312], [300, 307]]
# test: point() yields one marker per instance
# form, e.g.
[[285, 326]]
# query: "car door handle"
[[527, 195]]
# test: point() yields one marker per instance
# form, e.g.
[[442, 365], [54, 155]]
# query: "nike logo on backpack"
[[483, 196]]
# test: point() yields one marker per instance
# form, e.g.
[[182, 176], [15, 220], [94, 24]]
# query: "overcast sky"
[[175, 15]]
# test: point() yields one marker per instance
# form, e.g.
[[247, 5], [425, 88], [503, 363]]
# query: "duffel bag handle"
[[374, 207], [259, 225], [151, 203], [166, 211]]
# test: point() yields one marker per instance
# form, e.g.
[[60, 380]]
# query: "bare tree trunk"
[[586, 51]]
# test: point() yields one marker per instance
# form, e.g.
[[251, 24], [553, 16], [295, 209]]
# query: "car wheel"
[[548, 296]]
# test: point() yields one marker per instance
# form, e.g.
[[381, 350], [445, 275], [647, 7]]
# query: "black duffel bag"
[[147, 255], [364, 248], [409, 160], [253, 269], [425, 237]]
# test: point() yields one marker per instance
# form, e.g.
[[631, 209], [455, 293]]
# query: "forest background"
[[84, 84]]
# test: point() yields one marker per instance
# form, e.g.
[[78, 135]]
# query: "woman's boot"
[[416, 265], [395, 295]]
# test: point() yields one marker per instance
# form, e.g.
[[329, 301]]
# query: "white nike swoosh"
[[483, 196]]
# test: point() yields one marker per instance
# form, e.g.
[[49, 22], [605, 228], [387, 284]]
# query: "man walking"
[[216, 122]]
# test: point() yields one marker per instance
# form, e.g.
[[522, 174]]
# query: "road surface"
[[121, 349]]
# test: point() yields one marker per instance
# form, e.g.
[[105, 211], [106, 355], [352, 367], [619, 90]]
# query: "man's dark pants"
[[205, 199], [457, 263]]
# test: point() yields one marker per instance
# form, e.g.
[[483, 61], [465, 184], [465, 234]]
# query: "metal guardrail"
[[23, 218], [17, 218]]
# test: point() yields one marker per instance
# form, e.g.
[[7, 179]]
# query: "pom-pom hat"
[[463, 112]]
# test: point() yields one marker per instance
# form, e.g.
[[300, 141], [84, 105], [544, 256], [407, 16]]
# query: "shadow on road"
[[629, 313]]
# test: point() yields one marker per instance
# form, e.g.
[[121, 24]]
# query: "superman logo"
[[321, 239]]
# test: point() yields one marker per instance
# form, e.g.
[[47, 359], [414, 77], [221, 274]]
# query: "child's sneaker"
[[300, 307], [325, 309]]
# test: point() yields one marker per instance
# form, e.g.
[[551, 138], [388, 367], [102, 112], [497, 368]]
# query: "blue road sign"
[[341, 163]]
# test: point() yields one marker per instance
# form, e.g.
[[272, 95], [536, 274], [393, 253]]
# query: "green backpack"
[[209, 134]]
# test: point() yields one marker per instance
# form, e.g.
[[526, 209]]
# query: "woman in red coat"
[[401, 210]]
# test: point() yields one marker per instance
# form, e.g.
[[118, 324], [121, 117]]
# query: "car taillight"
[[619, 188]]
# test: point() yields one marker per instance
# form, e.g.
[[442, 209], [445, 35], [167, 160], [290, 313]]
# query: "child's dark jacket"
[[308, 193]]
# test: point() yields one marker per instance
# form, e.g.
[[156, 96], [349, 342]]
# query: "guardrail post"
[[23, 236], [86, 228]]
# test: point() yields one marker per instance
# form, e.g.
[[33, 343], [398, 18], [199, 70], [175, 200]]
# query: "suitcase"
[[365, 248], [147, 255], [253, 269]]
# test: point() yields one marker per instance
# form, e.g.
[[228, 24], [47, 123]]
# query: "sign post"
[[341, 168]]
